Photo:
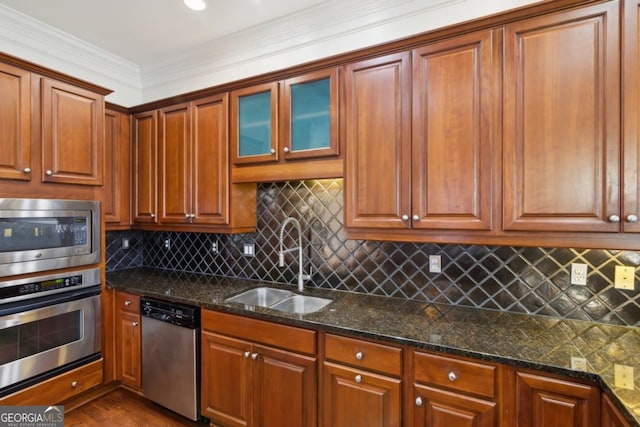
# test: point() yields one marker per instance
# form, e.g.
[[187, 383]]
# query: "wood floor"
[[124, 408]]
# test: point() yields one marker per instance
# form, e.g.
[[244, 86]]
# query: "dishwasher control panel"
[[184, 315]]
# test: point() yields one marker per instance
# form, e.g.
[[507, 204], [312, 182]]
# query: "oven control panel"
[[42, 285]]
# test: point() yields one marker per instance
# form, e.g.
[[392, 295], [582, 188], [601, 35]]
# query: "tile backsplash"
[[514, 279]]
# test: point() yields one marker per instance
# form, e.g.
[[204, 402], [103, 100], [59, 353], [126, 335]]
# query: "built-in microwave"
[[45, 234]]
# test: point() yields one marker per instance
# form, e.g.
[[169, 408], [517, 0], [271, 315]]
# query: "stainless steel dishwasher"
[[171, 355]]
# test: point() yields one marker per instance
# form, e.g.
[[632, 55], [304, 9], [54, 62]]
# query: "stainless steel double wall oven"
[[49, 322]]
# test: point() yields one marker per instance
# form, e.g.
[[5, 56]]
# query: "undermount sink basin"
[[280, 299], [301, 304], [263, 297]]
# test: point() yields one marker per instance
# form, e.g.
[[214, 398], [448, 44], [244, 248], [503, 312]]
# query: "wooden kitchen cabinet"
[[611, 416], [361, 383], [145, 174], [15, 132], [631, 117], [128, 339], [193, 168], [545, 401], [257, 373], [561, 121], [72, 134], [429, 165], [453, 392], [117, 181]]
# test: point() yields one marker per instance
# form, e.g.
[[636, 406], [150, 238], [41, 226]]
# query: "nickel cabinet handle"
[[74, 384], [358, 379], [26, 170], [614, 218], [632, 218], [286, 149], [247, 354], [405, 217], [134, 323], [418, 401], [452, 376], [272, 151], [127, 303], [254, 356], [49, 172], [415, 218], [359, 355]]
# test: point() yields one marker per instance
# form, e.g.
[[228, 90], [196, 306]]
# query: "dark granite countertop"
[[538, 342]]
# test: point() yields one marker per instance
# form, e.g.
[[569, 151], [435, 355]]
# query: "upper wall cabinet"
[[145, 155], [15, 132], [631, 117], [117, 175], [430, 166], [72, 134], [561, 121], [275, 125]]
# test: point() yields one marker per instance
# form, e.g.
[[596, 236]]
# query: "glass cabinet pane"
[[254, 122], [310, 115]]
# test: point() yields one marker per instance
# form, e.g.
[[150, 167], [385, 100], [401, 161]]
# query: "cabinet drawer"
[[58, 389], [364, 354], [461, 375], [127, 302]]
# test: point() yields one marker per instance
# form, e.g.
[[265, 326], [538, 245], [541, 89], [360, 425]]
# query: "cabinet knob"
[[187, 216], [49, 172], [247, 354], [272, 151], [358, 379], [359, 355], [286, 149], [254, 356], [192, 215], [26, 170], [134, 323], [405, 217], [614, 218], [452, 376], [74, 384], [152, 215], [127, 303], [415, 218], [418, 401], [632, 218]]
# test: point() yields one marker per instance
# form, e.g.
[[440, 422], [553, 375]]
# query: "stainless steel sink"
[[262, 297], [301, 304], [280, 299]]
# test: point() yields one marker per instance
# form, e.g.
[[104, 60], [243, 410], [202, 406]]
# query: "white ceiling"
[[146, 50]]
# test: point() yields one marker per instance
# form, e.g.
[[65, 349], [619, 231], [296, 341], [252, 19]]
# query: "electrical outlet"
[[125, 243], [167, 243], [249, 249], [214, 248], [578, 274], [624, 277], [435, 263], [579, 363], [623, 376]]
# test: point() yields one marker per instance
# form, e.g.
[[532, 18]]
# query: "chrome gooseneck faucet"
[[301, 276]]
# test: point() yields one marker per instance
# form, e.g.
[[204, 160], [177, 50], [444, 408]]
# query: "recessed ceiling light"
[[195, 4]]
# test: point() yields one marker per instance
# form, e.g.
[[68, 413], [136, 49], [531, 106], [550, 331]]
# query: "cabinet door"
[[15, 132], [352, 397], [117, 174], [174, 164], [631, 117], [310, 115], [280, 370], [550, 402], [378, 142], [561, 121], [254, 124], [453, 141], [210, 161], [72, 134], [128, 340], [611, 416], [440, 408], [145, 167], [227, 375]]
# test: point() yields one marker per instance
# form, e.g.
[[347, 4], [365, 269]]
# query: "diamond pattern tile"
[[511, 279]]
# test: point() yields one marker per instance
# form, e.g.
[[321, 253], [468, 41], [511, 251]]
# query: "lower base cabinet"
[[128, 340], [611, 416], [256, 373]]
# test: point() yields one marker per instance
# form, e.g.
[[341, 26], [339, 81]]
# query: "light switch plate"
[[623, 376], [624, 277]]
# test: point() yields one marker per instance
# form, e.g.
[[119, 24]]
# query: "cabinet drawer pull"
[[405, 217], [614, 218], [49, 172], [359, 355], [74, 384], [247, 354], [152, 215], [254, 356], [632, 218], [134, 323], [358, 379], [26, 170], [452, 376], [418, 401], [127, 303]]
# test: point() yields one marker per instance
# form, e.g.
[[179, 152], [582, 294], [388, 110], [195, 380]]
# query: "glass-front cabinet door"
[[254, 129], [309, 115]]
